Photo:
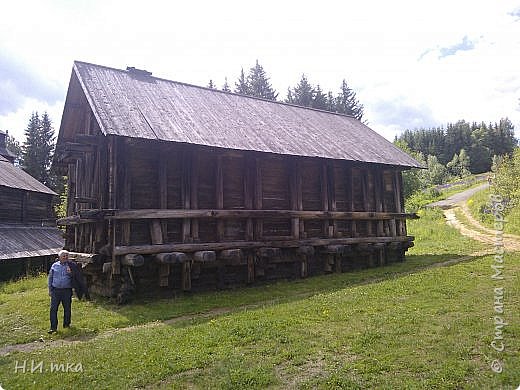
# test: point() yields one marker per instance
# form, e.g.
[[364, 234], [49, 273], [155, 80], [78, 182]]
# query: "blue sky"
[[413, 64]]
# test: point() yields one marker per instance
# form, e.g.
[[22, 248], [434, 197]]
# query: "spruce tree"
[[211, 84], [32, 161], [259, 84], [242, 86], [320, 99], [47, 134], [302, 94], [331, 102], [225, 87], [38, 148], [347, 102]]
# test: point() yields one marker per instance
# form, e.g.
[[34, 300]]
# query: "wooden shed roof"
[[17, 241], [135, 104], [15, 177]]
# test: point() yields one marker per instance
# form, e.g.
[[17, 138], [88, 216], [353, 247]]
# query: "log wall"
[[20, 206], [186, 216]]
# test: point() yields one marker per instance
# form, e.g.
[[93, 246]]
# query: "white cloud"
[[374, 45]]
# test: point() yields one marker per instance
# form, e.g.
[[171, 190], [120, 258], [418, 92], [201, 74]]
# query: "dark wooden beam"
[[258, 214], [216, 246]]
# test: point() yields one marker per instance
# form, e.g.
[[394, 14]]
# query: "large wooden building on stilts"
[[178, 187]]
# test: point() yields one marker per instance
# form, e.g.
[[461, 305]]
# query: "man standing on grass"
[[60, 290]]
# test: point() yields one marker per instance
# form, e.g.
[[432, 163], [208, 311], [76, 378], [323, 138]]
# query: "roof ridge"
[[221, 91], [185, 113]]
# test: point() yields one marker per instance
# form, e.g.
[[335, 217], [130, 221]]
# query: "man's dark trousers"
[[63, 296]]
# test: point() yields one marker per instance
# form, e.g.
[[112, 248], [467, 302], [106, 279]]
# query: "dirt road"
[[459, 197], [468, 225]]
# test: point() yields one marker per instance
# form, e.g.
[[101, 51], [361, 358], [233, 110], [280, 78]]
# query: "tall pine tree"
[[242, 86], [347, 102], [259, 84], [302, 94], [38, 147], [320, 99], [225, 87]]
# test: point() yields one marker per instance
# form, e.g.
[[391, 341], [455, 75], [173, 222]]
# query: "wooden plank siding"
[[159, 197], [162, 176]]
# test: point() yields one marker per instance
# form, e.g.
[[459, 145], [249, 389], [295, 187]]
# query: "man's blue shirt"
[[59, 277]]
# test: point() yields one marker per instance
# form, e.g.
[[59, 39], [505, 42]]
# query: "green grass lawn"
[[399, 326]]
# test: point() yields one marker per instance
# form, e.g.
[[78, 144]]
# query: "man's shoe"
[[66, 326], [51, 331]]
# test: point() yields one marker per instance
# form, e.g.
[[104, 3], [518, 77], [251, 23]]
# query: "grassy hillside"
[[406, 325], [480, 209]]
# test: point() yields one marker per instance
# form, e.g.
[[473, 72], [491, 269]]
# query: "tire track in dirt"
[[491, 237]]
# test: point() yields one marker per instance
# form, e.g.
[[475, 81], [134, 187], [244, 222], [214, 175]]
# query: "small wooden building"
[[175, 186], [29, 238]]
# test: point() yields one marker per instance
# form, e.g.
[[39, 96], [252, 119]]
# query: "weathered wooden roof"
[[135, 104], [17, 241], [15, 177]]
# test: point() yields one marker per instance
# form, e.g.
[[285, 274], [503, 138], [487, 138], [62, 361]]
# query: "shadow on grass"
[[189, 308], [100, 317]]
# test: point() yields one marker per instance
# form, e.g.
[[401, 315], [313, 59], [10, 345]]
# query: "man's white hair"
[[63, 252]]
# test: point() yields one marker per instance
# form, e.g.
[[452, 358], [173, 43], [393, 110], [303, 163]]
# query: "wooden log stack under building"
[[178, 187]]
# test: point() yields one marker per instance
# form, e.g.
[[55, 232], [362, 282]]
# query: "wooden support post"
[[186, 276], [112, 171], [258, 198], [156, 233], [116, 263], [366, 203], [71, 186], [107, 267], [397, 200], [329, 261], [126, 200], [194, 198], [401, 193], [333, 229], [304, 266], [163, 187], [337, 264], [164, 275], [103, 171], [325, 196], [305, 252], [382, 259], [378, 186], [219, 196], [295, 190], [112, 191], [185, 192], [250, 269], [249, 188], [352, 203], [299, 196]]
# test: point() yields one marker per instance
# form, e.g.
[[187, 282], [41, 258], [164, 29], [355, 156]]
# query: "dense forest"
[[462, 148], [478, 143]]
